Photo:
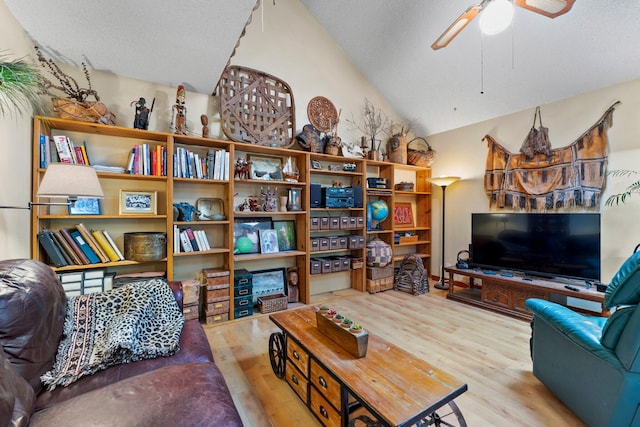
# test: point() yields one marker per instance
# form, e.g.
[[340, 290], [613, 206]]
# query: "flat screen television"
[[548, 245]]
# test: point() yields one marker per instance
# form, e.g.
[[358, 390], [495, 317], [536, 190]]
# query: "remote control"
[[505, 274], [572, 288]]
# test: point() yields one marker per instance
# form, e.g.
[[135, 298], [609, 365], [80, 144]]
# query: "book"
[[71, 277], [203, 241], [78, 155], [108, 281], [84, 246], [94, 274], [63, 149], [66, 233], [192, 239], [92, 242], [66, 248], [113, 244], [51, 249], [105, 245], [85, 153], [184, 240]]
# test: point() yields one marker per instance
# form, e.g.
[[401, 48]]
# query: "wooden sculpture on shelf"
[[143, 113], [205, 125], [179, 110]]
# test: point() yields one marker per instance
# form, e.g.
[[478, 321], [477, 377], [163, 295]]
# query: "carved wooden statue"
[[179, 109]]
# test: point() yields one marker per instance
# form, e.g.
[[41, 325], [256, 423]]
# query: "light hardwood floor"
[[488, 351]]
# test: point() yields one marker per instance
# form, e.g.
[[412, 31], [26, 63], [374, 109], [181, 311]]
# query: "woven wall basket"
[[256, 107], [94, 112]]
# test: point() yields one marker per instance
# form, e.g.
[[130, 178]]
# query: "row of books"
[[188, 164], [60, 148], [86, 282], [189, 240], [79, 246], [146, 160]]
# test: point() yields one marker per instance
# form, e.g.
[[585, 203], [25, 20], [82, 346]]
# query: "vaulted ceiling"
[[536, 61]]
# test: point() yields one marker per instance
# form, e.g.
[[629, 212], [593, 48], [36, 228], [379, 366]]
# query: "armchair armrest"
[[583, 330]]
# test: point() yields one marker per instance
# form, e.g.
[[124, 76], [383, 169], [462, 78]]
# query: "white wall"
[[462, 152]]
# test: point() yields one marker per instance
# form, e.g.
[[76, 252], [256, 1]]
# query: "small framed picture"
[[265, 168], [286, 232], [403, 215], [268, 282], [268, 241], [315, 164], [85, 206], [138, 202], [246, 234]]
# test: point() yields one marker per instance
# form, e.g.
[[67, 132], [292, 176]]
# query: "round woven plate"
[[322, 114]]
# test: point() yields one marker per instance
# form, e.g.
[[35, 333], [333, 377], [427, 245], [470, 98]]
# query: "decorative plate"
[[322, 114], [256, 107]]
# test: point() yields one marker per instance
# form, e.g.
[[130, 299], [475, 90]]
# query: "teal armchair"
[[591, 363]]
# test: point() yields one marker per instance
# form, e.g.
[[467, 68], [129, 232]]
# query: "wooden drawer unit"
[[521, 295], [497, 295], [297, 381], [298, 356], [322, 409], [325, 383]]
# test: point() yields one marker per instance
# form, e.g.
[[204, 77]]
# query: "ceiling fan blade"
[[457, 26], [550, 8]]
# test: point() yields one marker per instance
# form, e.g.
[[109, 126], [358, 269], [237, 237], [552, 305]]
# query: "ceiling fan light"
[[496, 17], [550, 8]]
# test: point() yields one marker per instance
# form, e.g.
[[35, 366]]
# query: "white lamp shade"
[[62, 180], [443, 181], [496, 17]]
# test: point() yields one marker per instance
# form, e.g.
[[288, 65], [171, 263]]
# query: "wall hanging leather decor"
[[537, 140], [569, 176]]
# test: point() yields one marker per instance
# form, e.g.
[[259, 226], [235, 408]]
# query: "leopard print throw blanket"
[[140, 320]]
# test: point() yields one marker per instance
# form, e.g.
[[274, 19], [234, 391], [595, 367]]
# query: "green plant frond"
[[20, 86]]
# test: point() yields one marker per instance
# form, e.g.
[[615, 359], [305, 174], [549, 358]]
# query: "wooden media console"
[[506, 294]]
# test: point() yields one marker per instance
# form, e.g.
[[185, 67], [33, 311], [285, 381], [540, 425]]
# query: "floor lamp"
[[443, 181]]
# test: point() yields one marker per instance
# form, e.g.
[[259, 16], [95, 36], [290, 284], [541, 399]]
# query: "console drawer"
[[297, 381], [298, 356], [325, 383], [323, 410], [497, 295]]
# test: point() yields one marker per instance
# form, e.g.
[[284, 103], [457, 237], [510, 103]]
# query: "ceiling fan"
[[549, 8]]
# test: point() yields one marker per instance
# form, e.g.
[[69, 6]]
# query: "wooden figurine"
[[293, 278], [179, 109], [205, 125], [143, 113]]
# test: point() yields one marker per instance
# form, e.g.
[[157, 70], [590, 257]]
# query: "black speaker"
[[462, 262], [357, 197], [315, 192]]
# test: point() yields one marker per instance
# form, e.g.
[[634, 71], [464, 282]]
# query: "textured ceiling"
[[537, 61], [165, 42]]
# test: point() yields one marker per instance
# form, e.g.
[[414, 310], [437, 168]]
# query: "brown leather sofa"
[[186, 389]]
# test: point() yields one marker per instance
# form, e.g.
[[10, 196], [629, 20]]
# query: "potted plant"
[[323, 309], [338, 318], [346, 323], [634, 187], [20, 86], [356, 328]]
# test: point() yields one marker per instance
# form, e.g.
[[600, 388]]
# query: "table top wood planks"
[[397, 387]]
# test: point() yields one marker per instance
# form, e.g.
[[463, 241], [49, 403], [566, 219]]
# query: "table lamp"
[[62, 180]]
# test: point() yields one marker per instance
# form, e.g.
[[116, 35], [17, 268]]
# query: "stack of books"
[[79, 246], [60, 148], [145, 160], [77, 283], [189, 240]]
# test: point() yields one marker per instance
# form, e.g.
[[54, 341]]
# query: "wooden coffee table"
[[387, 387]]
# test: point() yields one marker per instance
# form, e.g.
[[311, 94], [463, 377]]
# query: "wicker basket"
[[411, 276], [423, 158], [94, 112], [271, 303]]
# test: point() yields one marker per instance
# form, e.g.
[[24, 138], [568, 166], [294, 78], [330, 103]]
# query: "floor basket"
[[411, 276], [271, 303]]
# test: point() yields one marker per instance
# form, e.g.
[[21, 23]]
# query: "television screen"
[[549, 245]]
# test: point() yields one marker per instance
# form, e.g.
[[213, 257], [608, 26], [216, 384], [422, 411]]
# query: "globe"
[[379, 210]]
